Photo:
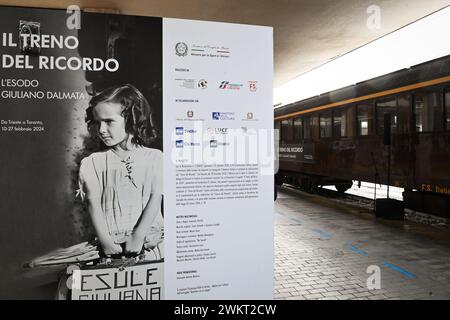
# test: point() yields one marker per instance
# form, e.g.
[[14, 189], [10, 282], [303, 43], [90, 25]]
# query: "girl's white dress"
[[124, 187]]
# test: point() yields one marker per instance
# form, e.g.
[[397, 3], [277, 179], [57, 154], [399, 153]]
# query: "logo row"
[[218, 116], [212, 144], [181, 131], [252, 86]]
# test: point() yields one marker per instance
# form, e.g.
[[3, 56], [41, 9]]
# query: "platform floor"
[[323, 250]]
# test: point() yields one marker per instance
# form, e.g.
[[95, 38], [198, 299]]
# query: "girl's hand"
[[134, 244], [110, 248]]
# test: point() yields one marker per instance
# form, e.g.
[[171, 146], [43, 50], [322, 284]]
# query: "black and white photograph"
[[82, 168], [225, 150]]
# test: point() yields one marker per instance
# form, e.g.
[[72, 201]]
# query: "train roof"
[[434, 69]]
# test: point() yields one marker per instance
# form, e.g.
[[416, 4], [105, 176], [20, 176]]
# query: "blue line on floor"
[[322, 233], [286, 216], [402, 271], [357, 250]]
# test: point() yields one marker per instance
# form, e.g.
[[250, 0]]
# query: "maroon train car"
[[341, 136]]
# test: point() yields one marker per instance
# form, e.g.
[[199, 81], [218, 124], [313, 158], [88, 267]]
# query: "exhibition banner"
[[137, 157]]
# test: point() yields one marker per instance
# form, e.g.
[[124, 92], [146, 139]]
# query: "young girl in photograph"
[[122, 185]]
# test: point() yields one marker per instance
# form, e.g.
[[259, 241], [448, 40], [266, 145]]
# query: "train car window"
[[403, 114], [384, 106], [307, 127], [284, 130], [365, 119], [428, 111], [447, 108], [339, 123], [298, 129], [325, 124]]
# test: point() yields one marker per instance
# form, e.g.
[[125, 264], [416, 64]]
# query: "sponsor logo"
[[226, 85], [249, 116], [181, 49], [192, 83], [215, 144], [186, 83], [182, 144], [202, 84], [252, 86], [188, 116], [223, 115], [217, 130], [182, 130]]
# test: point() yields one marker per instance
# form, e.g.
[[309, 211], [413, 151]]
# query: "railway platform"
[[339, 251]]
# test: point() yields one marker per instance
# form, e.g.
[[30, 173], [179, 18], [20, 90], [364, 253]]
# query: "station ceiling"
[[307, 33]]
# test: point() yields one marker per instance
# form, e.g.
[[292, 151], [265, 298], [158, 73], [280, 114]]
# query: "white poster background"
[[241, 230]]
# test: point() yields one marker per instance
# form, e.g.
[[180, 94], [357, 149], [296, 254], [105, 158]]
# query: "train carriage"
[[394, 129]]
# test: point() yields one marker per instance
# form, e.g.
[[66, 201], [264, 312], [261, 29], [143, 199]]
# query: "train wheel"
[[341, 188], [307, 185], [298, 182]]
